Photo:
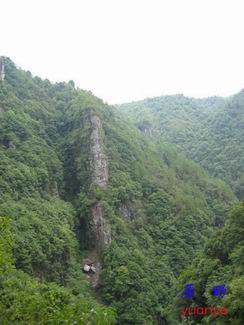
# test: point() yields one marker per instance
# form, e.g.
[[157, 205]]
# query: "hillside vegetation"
[[77, 180], [210, 131], [221, 262]]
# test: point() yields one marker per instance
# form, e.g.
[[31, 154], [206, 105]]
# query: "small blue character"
[[219, 291], [189, 291]]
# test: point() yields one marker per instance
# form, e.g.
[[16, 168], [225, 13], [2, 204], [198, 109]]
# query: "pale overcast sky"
[[125, 50]]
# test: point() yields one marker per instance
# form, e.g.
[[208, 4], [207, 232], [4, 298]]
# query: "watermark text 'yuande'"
[[192, 311]]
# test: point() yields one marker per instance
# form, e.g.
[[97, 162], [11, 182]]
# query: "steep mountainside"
[[210, 131], [221, 263], [38, 243], [78, 183]]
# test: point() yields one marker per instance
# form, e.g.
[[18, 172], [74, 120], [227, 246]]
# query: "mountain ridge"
[[209, 131]]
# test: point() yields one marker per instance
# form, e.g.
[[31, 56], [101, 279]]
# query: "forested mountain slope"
[[221, 262], [210, 131], [78, 181], [40, 271]]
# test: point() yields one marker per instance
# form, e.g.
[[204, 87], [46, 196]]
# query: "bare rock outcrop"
[[2, 73], [99, 166], [100, 226], [126, 212], [99, 162], [92, 268]]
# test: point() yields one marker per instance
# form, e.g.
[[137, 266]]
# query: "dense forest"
[[79, 181], [210, 131], [221, 262]]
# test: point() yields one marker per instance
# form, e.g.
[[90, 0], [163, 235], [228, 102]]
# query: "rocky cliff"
[[98, 227], [2, 74], [99, 163], [99, 168]]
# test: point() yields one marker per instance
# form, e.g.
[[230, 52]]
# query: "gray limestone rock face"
[[2, 73], [99, 162], [126, 212], [99, 231], [92, 268], [99, 166], [100, 227], [11, 145], [95, 276]]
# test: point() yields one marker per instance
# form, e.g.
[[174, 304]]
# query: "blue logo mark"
[[219, 291], [189, 291]]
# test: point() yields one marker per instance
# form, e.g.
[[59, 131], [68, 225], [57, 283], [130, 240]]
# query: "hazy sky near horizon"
[[124, 50]]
